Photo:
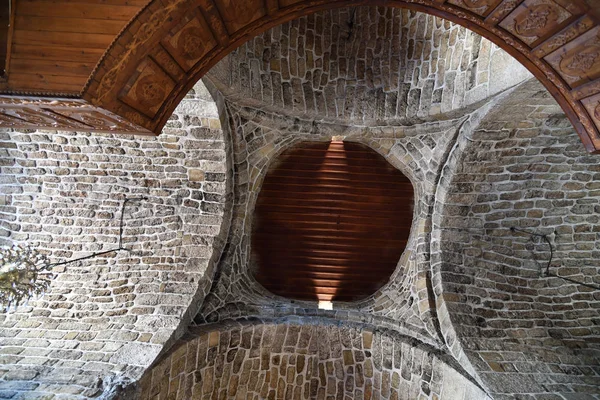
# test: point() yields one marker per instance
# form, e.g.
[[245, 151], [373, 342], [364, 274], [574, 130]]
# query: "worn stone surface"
[[522, 167], [257, 138], [302, 361], [410, 87], [61, 194], [368, 65]]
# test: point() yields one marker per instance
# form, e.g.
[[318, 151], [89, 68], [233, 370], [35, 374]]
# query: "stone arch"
[[497, 310], [284, 358], [168, 47]]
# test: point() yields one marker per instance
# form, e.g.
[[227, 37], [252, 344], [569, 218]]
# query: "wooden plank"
[[50, 67], [586, 90], [322, 237], [8, 29], [79, 40], [39, 8], [46, 83], [56, 24], [334, 182], [32, 52], [113, 3]]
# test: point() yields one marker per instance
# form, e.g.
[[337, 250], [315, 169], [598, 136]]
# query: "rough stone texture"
[[257, 139], [466, 286], [61, 193], [523, 167], [302, 361], [367, 64]]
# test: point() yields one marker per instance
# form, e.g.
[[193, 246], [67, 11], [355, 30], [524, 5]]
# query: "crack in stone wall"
[[522, 166]]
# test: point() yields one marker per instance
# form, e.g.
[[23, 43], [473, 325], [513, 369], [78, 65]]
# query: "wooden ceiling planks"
[[57, 43], [331, 222], [171, 44]]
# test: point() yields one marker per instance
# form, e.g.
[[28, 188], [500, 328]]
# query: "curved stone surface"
[[524, 332], [301, 361], [367, 65], [403, 303]]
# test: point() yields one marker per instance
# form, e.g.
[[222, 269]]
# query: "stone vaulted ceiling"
[[167, 46], [466, 315]]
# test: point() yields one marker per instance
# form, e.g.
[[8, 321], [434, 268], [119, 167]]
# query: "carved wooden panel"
[[479, 7], [567, 34], [61, 114], [238, 14], [578, 61], [168, 63], [501, 11], [148, 88], [190, 40], [592, 105], [286, 3], [44, 117], [534, 19]]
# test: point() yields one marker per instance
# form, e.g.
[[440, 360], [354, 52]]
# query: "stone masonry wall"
[[61, 193], [258, 137], [302, 361], [368, 65], [523, 166]]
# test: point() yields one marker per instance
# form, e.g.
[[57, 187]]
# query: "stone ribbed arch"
[[171, 44]]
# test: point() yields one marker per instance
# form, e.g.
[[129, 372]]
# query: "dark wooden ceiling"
[[55, 44], [331, 222]]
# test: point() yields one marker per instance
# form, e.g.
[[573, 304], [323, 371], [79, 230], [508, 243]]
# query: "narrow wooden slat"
[[355, 271], [77, 40], [112, 3], [39, 82], [327, 250], [335, 179], [40, 8], [327, 220], [337, 204], [356, 198], [27, 52], [334, 182], [5, 66], [45, 67], [59, 24]]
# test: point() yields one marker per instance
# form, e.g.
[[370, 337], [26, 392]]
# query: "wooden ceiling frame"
[[171, 44]]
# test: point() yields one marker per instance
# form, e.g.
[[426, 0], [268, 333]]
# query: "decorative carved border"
[[62, 114], [171, 44]]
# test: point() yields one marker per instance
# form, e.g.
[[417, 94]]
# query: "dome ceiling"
[[331, 221]]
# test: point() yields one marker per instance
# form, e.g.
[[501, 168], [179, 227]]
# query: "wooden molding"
[[62, 114]]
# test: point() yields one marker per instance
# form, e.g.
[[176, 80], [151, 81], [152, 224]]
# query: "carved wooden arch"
[[173, 43]]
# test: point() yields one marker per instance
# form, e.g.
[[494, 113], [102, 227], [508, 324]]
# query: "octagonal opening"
[[331, 222]]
